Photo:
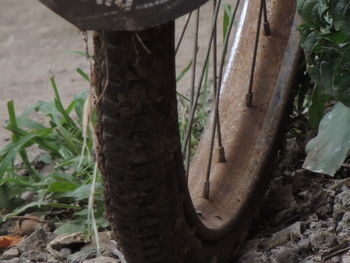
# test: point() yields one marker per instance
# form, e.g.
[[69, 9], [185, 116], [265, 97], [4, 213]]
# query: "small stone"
[[82, 255], [65, 252], [10, 253], [304, 245], [344, 235], [283, 255], [314, 225], [282, 197], [346, 218], [14, 260], [102, 259], [328, 222], [253, 257], [323, 201], [341, 204], [345, 259], [322, 239], [331, 228], [324, 210], [334, 260], [289, 233], [34, 256], [28, 196], [343, 227], [282, 215], [253, 244], [32, 242], [64, 241]]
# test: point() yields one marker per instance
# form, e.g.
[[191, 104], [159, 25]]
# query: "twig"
[[338, 250], [339, 183]]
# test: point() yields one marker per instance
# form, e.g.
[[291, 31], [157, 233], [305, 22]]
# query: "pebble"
[[322, 239], [314, 225], [10, 253], [33, 241], [324, 203], [335, 260], [304, 245], [289, 233], [346, 218], [14, 260], [64, 241], [342, 204], [283, 255], [345, 259], [253, 257], [34, 256], [65, 252], [102, 259]]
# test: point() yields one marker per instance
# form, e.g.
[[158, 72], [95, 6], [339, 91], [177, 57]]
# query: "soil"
[[305, 218], [35, 43]]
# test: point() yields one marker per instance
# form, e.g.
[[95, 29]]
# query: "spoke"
[[206, 188], [249, 95], [197, 94], [267, 29], [193, 82], [221, 150], [183, 33]]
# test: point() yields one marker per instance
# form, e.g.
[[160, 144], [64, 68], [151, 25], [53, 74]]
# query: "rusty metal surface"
[[120, 14], [249, 133]]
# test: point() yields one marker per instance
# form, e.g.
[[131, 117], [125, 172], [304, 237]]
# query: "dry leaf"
[[9, 241]]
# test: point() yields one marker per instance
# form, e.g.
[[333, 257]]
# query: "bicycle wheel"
[[158, 213]]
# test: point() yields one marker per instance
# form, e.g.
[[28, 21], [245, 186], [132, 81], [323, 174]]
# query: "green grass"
[[63, 192]]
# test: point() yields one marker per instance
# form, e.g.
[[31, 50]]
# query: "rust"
[[249, 134]]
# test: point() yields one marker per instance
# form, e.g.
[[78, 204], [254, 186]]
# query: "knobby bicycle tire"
[[147, 197]]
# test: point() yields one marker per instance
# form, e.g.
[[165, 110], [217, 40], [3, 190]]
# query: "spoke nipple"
[[249, 100], [206, 190], [221, 151], [267, 29]]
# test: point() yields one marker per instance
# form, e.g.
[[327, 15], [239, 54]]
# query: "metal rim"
[[216, 216]]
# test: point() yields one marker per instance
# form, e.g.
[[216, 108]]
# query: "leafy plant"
[[326, 43], [61, 176]]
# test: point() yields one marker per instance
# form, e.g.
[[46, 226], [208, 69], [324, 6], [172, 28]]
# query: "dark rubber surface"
[[139, 150]]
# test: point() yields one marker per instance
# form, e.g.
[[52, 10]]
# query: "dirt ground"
[[33, 43]]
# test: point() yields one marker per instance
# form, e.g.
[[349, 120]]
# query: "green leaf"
[[70, 228], [80, 193], [340, 10], [22, 153], [59, 105], [327, 152], [80, 53], [61, 187], [83, 74], [184, 71], [311, 11], [226, 19], [15, 148], [317, 107], [39, 204]]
